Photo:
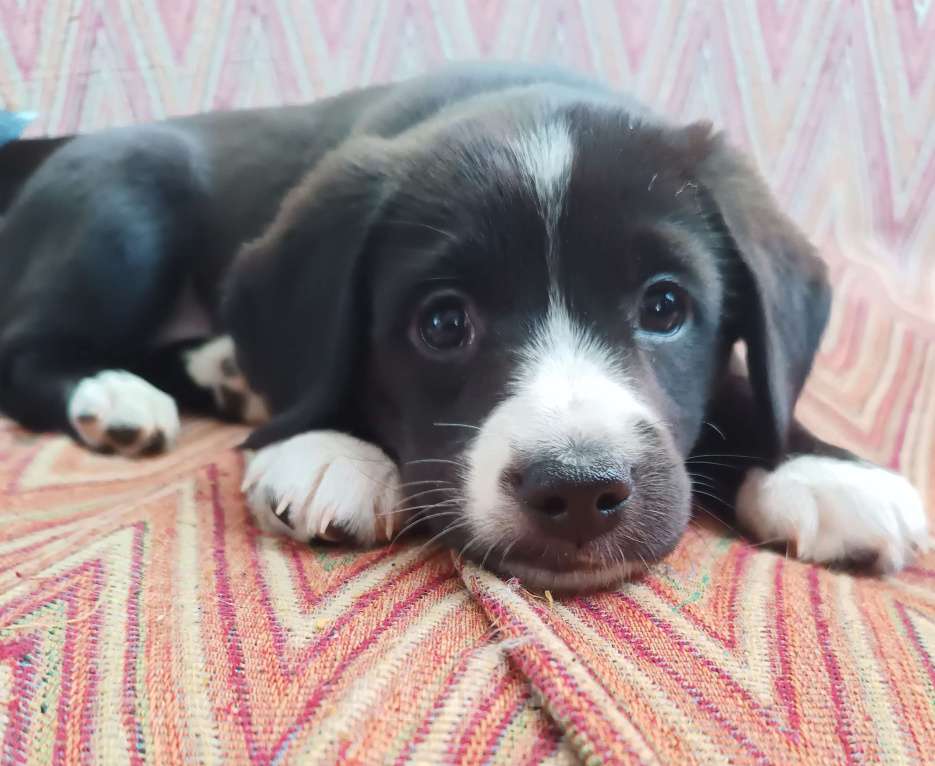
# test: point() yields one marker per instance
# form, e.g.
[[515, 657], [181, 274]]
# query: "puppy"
[[499, 302]]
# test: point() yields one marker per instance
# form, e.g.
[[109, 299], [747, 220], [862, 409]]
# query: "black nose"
[[576, 504]]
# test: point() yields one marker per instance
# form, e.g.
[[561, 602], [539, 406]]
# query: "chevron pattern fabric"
[[143, 619]]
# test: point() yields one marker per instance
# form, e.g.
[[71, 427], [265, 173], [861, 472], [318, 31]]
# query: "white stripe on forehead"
[[545, 156], [564, 365], [559, 341]]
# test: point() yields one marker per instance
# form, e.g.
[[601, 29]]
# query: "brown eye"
[[664, 308], [444, 323]]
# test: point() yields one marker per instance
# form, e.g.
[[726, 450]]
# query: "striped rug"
[[144, 620]]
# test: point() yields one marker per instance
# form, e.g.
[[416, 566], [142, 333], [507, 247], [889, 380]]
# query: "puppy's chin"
[[572, 581], [645, 535]]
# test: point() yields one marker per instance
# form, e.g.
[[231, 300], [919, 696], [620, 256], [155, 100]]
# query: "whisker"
[[763, 543], [722, 465], [714, 428], [458, 425], [407, 484], [445, 531], [489, 551], [422, 507], [725, 455], [427, 492], [437, 514], [420, 225], [719, 499], [700, 477], [434, 460], [475, 538], [419, 520], [506, 551], [714, 516]]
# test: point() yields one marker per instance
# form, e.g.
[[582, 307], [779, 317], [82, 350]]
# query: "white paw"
[[116, 410], [835, 510], [324, 484], [214, 366]]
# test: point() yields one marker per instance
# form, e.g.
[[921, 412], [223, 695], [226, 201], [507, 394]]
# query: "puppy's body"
[[103, 242], [502, 299], [119, 233]]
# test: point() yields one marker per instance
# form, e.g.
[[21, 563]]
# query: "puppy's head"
[[528, 305]]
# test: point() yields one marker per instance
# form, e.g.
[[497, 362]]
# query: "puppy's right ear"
[[784, 296], [291, 303]]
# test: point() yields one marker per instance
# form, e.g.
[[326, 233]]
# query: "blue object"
[[12, 124]]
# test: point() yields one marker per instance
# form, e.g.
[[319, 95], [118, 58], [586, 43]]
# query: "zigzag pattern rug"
[[144, 620]]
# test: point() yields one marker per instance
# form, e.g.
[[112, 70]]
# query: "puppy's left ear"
[[292, 299], [785, 297]]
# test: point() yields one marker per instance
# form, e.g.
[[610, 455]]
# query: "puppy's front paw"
[[324, 484], [117, 411], [833, 510]]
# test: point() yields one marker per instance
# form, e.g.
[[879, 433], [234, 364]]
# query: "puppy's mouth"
[[562, 556], [561, 569], [564, 565]]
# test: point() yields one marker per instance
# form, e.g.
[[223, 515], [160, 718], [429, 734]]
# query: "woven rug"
[[143, 619]]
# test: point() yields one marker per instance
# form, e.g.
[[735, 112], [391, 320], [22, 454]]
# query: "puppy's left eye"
[[663, 309], [444, 323]]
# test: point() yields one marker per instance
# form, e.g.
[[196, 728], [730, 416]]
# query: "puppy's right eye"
[[664, 308], [444, 324]]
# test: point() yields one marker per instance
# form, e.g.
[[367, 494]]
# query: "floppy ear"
[[785, 295], [291, 303]]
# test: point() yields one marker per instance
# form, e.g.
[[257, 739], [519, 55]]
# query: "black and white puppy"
[[503, 299]]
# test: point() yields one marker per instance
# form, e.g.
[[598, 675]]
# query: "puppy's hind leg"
[[96, 248], [115, 410], [213, 367], [108, 410], [203, 376]]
